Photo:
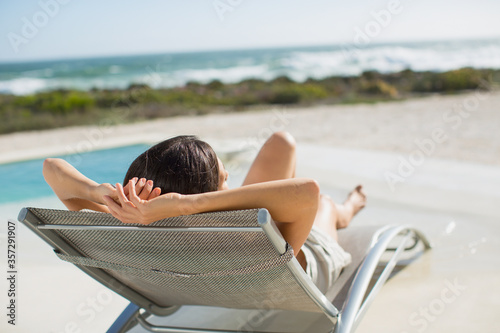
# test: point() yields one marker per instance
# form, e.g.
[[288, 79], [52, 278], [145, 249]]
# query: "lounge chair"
[[227, 264]]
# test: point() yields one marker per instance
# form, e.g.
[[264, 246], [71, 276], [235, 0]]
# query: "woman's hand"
[[142, 208], [144, 189], [104, 189]]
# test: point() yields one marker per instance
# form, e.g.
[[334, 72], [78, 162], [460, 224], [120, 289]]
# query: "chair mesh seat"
[[236, 269]]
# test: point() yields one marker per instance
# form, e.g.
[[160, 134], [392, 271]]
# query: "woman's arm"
[[292, 203], [74, 189], [79, 192]]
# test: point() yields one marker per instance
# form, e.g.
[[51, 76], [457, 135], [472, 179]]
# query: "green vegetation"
[[70, 107]]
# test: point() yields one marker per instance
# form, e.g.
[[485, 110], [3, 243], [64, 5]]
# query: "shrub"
[[77, 101], [288, 94], [311, 92], [135, 86], [59, 101], [282, 80], [378, 87], [461, 79], [215, 85], [253, 84]]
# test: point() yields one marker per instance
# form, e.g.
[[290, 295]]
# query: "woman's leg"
[[332, 216], [275, 161]]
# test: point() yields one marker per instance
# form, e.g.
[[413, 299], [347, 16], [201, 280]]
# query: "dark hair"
[[183, 164]]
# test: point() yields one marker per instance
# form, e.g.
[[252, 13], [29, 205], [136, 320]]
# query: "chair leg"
[[126, 320], [357, 300]]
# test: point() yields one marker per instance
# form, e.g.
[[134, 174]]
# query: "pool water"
[[22, 181]]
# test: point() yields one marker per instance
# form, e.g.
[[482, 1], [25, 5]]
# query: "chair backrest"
[[234, 259]]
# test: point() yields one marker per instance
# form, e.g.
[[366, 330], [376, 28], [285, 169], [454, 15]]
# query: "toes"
[[359, 189], [357, 198]]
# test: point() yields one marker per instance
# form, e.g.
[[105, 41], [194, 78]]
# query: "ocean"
[[299, 63]]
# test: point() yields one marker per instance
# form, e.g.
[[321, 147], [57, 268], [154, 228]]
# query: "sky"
[[58, 29]]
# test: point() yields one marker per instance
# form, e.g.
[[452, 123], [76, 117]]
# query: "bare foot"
[[355, 201]]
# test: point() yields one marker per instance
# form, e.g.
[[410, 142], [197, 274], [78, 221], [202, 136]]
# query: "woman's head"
[[183, 164]]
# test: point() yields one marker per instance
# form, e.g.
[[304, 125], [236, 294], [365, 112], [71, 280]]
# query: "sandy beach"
[[432, 162]]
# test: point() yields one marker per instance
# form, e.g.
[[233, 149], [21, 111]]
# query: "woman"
[[183, 176]]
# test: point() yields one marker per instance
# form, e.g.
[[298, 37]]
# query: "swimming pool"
[[24, 180]]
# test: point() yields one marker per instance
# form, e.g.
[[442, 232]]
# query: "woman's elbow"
[[49, 165]]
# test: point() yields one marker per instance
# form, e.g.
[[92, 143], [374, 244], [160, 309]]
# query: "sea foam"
[[300, 63]]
